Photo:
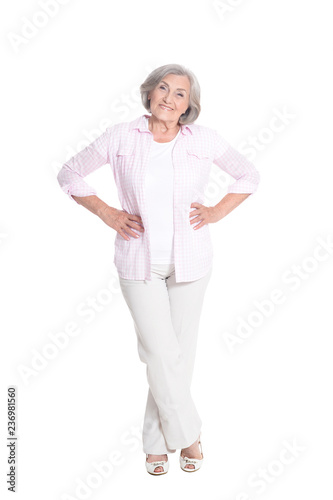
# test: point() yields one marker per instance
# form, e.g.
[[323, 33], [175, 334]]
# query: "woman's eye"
[[163, 87]]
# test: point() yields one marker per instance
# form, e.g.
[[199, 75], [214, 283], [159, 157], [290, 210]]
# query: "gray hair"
[[158, 74]]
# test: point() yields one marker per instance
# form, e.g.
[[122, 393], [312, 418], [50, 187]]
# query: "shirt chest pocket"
[[199, 165], [126, 167], [126, 163], [125, 155], [198, 154]]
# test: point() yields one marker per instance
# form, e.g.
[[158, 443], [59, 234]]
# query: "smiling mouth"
[[165, 107]]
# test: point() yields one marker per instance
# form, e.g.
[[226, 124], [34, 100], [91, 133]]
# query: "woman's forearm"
[[92, 203], [229, 202]]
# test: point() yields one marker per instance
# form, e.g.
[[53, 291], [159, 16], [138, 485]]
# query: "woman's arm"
[[228, 203], [238, 166], [92, 203], [247, 179], [207, 215], [119, 220], [71, 180], [71, 176]]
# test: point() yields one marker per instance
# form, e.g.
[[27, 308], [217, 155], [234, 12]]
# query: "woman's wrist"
[[102, 208], [93, 204]]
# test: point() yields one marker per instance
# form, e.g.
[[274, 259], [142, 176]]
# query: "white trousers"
[[166, 318]]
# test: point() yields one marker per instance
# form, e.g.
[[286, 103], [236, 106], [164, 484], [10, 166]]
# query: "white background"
[[73, 76]]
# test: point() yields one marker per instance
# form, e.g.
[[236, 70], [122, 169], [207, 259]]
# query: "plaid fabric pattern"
[[126, 146]]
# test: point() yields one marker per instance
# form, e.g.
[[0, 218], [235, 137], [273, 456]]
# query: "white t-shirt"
[[159, 196]]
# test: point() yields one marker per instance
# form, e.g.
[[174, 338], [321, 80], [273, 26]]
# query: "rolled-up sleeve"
[[237, 165], [93, 156]]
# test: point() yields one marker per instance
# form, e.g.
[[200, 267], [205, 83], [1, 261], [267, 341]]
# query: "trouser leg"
[[186, 301], [166, 333]]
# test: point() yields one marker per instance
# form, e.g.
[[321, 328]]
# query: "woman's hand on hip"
[[203, 215], [121, 221]]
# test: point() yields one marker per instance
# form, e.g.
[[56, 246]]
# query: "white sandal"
[[152, 465], [195, 461]]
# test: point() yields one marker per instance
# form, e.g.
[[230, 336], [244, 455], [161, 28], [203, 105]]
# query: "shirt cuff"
[[81, 189]]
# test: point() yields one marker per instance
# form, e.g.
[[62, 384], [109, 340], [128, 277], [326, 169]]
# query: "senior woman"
[[163, 252]]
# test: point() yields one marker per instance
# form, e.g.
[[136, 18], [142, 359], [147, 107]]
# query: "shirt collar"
[[141, 124]]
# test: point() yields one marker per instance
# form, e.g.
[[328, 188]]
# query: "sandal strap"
[[191, 460], [161, 462]]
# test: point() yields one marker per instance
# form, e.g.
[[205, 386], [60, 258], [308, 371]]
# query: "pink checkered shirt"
[[125, 146]]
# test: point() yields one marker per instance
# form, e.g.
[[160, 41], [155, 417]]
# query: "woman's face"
[[170, 98]]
